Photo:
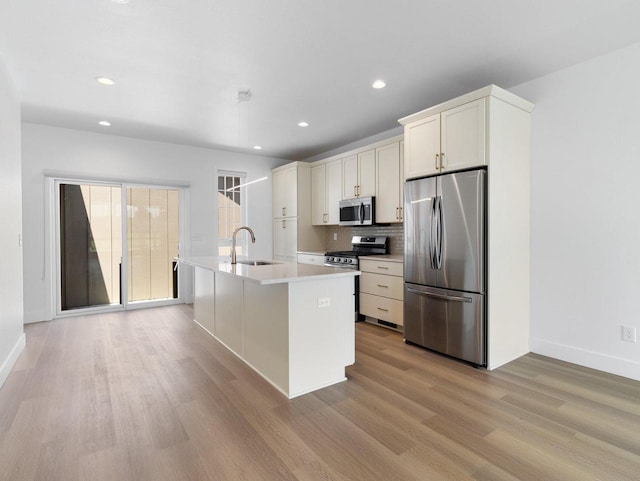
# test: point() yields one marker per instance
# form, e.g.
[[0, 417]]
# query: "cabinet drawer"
[[382, 285], [310, 259], [381, 267], [389, 310]]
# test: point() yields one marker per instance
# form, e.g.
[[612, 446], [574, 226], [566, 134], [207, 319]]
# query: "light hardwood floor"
[[147, 395]]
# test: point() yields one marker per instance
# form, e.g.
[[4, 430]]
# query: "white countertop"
[[278, 273]]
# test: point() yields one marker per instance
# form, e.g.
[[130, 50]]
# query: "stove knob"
[[349, 261]]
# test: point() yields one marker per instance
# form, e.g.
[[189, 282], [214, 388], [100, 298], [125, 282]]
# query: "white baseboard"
[[595, 360], [11, 359]]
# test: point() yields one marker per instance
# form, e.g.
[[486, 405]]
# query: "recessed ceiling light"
[[378, 84], [257, 147], [105, 123], [122, 2], [303, 124], [105, 81]]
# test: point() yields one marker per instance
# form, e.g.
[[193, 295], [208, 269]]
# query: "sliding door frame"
[[55, 247]]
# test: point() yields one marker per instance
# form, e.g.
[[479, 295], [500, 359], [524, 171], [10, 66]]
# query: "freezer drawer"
[[446, 321]]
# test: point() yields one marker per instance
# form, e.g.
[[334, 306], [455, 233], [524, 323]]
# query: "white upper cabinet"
[[463, 134], [350, 177], [389, 184], [367, 173], [318, 194], [422, 147], [326, 193], [285, 193], [333, 191], [450, 140], [359, 175]]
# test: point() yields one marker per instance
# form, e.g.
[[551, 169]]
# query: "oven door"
[[360, 211]]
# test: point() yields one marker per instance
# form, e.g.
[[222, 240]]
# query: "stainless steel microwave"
[[358, 211]]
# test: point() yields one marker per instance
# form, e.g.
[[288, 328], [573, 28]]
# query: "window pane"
[[230, 213]]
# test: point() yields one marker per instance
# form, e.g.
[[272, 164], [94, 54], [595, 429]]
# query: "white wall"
[[585, 225], [80, 153], [11, 333]]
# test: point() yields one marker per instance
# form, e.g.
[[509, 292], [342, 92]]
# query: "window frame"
[[242, 241]]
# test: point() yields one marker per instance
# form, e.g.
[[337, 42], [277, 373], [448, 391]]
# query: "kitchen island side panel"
[[321, 339], [266, 332], [204, 299], [228, 311]]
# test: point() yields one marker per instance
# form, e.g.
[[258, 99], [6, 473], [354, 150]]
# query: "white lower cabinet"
[[285, 239], [381, 290]]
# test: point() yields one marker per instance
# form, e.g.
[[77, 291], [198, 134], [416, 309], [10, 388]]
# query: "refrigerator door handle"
[[440, 233], [431, 233], [440, 296]]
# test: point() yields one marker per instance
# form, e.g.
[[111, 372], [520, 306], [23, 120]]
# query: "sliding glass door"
[[152, 243], [90, 245], [116, 245]]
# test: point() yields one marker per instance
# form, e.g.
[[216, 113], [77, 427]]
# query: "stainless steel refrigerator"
[[445, 264]]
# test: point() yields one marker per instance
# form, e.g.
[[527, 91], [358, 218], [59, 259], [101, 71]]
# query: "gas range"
[[361, 246]]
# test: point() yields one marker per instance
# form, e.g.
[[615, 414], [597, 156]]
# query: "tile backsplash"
[[343, 234]]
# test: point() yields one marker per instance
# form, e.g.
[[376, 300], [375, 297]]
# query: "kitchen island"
[[292, 323]]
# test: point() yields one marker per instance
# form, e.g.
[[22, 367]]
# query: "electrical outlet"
[[335, 236], [324, 301], [628, 334]]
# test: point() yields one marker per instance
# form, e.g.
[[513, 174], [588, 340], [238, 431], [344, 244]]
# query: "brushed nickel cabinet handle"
[[380, 285], [384, 310], [283, 224], [283, 211], [441, 160], [381, 267], [437, 157]]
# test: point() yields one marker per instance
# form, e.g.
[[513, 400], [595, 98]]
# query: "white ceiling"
[[179, 64]]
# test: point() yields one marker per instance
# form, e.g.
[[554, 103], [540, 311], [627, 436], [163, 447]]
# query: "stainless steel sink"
[[258, 263]]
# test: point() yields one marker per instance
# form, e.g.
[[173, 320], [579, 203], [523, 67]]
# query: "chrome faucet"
[[233, 241]]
